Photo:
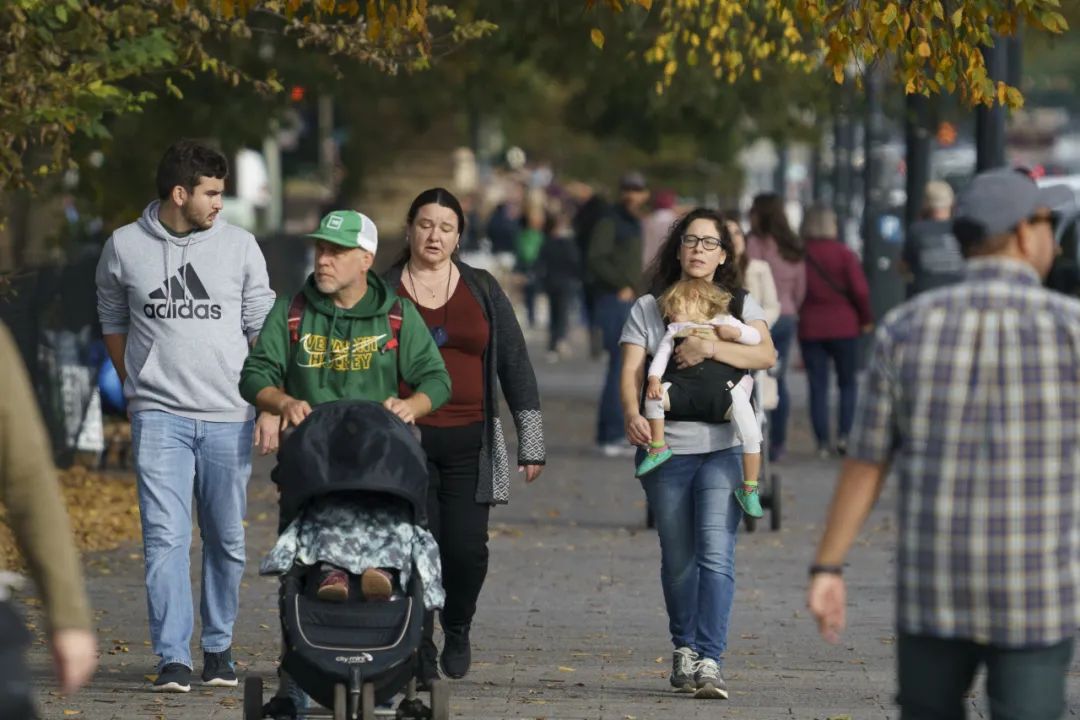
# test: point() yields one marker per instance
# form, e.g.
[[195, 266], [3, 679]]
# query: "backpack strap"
[[394, 316], [296, 314]]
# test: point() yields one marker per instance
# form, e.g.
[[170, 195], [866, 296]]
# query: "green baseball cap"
[[348, 228]]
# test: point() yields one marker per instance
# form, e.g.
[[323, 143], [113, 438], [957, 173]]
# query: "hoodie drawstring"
[[168, 274], [328, 357], [184, 269]]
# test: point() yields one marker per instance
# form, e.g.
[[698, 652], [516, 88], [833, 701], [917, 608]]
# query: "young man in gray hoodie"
[[181, 296]]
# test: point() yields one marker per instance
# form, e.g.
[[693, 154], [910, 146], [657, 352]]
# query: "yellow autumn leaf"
[[563, 668], [597, 38], [838, 74], [1002, 92], [923, 50], [958, 17], [1015, 98], [888, 17]]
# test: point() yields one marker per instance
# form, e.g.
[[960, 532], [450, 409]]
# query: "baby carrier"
[[699, 392], [351, 656]]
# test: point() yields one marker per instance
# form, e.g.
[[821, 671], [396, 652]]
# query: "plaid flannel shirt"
[[973, 395]]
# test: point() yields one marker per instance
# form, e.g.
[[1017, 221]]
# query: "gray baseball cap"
[[996, 201]]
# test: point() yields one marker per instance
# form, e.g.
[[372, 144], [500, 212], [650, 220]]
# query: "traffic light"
[[946, 134]]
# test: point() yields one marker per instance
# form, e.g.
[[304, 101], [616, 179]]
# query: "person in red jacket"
[[835, 312]]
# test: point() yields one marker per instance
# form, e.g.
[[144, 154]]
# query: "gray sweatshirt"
[[189, 307]]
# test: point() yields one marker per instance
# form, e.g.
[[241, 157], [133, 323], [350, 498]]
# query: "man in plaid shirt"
[[973, 398]]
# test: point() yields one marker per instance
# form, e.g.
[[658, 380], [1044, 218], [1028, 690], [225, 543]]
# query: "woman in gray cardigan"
[[474, 325]]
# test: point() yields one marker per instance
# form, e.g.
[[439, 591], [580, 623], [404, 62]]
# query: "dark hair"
[[432, 196], [743, 261], [771, 220], [185, 162], [665, 269]]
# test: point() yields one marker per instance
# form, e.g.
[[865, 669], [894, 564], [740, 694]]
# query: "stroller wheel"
[[367, 702], [341, 702], [253, 698], [440, 700]]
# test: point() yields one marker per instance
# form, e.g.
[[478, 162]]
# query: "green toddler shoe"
[[653, 459], [747, 495]]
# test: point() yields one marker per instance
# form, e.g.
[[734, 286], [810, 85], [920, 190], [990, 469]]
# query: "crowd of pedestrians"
[[969, 399]]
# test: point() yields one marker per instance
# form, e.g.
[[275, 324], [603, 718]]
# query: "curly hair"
[[694, 294], [666, 270]]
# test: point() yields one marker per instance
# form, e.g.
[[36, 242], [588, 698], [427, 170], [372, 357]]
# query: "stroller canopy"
[[351, 445]]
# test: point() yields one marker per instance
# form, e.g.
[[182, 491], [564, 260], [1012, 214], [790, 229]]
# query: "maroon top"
[[467, 338], [830, 313]]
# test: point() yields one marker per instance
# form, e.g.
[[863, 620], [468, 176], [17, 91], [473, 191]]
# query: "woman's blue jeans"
[[697, 518]]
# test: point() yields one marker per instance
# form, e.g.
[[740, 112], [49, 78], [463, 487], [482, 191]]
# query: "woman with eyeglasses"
[[692, 495], [474, 325]]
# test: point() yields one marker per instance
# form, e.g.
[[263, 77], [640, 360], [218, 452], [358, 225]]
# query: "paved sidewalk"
[[571, 623]]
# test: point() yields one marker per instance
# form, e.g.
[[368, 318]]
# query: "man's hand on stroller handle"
[[293, 412]]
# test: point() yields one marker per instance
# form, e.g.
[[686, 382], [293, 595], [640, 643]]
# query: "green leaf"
[[61, 13]]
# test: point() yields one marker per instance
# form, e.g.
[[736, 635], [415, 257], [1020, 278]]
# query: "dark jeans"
[[783, 331], [16, 693], [844, 354], [560, 300], [1021, 683], [458, 522], [611, 315]]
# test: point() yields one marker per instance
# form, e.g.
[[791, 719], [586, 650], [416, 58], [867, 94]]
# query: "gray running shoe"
[[682, 670], [710, 685]]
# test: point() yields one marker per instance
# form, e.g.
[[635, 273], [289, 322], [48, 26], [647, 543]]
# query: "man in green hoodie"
[[335, 340]]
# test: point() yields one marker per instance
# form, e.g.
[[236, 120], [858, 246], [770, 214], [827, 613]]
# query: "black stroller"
[[350, 657]]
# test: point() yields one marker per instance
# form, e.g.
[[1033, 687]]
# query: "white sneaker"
[[710, 685], [614, 450]]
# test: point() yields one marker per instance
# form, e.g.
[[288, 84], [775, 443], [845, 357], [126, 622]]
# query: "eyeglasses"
[[707, 242]]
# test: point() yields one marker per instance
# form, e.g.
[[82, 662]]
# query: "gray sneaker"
[[710, 685], [682, 670]]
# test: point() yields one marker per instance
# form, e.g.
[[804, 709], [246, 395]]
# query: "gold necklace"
[[412, 281]]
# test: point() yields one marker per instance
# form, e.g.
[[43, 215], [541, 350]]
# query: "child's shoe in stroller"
[[376, 584], [656, 457], [747, 496], [334, 586]]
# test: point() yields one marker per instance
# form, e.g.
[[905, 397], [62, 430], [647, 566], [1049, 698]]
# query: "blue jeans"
[[844, 354], [177, 457], [783, 331], [935, 675], [611, 314], [697, 517]]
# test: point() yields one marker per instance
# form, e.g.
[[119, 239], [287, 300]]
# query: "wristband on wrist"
[[822, 569]]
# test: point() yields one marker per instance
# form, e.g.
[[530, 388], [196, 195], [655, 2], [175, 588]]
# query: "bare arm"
[[271, 400], [633, 374], [856, 492], [115, 344]]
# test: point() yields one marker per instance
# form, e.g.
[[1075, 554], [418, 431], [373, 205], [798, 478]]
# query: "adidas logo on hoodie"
[[183, 297]]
